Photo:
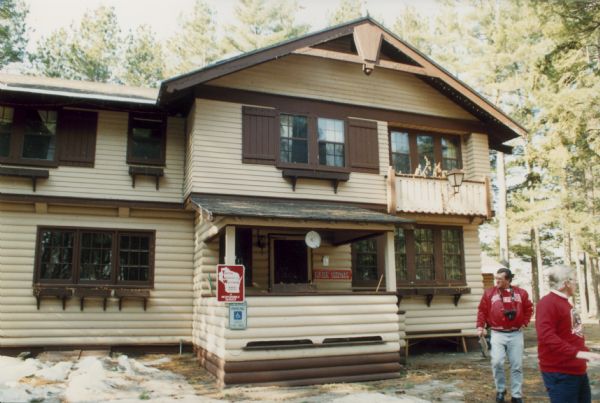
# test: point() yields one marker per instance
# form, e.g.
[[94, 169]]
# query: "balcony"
[[413, 194]]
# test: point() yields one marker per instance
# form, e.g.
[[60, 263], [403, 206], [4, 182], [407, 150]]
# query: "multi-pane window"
[[400, 251], [365, 256], [424, 254], [412, 151], [452, 254], [450, 153], [6, 120], [146, 140], [95, 256], [56, 255], [331, 142], [429, 255], [39, 141], [89, 256], [293, 143], [400, 149], [425, 153]]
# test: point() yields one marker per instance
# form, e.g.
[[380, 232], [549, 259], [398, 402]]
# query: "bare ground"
[[443, 376]]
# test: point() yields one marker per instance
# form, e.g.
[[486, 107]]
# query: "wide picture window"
[[90, 256]]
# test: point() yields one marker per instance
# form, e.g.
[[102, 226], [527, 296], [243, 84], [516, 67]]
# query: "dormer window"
[[147, 135]]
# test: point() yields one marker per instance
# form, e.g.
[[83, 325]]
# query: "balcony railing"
[[414, 194]]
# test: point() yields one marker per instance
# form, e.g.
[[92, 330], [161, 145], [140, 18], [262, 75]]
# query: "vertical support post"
[[230, 244], [390, 262]]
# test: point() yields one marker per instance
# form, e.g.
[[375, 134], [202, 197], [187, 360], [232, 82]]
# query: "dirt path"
[[443, 377]]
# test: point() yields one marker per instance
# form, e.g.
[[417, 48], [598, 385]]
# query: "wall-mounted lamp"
[[455, 179], [325, 260], [260, 240]]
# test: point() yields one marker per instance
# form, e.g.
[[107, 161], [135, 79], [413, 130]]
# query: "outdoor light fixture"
[[260, 240], [455, 178]]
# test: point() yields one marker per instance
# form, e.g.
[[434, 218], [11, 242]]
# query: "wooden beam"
[[368, 38], [346, 57], [392, 201], [230, 244], [390, 262]]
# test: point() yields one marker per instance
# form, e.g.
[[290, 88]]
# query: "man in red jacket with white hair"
[[562, 352], [506, 309]]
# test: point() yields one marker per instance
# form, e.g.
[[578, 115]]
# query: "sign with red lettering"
[[325, 274], [230, 283]]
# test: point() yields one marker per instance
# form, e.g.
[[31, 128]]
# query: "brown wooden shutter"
[[259, 135], [76, 135], [363, 146]]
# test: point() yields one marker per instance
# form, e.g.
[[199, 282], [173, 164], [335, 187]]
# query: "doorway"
[[290, 261]]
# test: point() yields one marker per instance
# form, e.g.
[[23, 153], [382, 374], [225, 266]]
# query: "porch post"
[[390, 262], [230, 244]]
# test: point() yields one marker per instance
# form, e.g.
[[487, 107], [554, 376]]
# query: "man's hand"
[[588, 355], [481, 332]]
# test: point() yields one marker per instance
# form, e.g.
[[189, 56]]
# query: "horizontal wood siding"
[[332, 80], [109, 178], [217, 164], [168, 318], [477, 158], [442, 314]]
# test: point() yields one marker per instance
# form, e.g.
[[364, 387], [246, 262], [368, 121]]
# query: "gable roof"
[[370, 38]]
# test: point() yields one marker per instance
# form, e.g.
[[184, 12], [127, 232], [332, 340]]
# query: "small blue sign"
[[237, 316]]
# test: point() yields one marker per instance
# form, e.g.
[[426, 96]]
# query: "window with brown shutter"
[[259, 135], [363, 146], [77, 137]]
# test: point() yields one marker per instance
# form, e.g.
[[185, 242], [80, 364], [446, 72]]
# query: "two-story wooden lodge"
[[117, 203]]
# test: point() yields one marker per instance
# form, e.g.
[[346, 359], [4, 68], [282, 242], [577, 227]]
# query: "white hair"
[[557, 275]]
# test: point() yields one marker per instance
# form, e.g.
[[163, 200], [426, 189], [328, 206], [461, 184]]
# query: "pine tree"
[[13, 31], [143, 59], [347, 10]]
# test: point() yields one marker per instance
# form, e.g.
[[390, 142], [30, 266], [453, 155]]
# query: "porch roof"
[[218, 205]]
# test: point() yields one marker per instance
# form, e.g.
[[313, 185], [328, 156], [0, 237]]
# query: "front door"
[[291, 262]]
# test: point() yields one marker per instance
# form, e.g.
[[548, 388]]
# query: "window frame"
[[438, 256], [413, 150], [75, 280], [17, 139], [312, 141], [380, 254], [160, 161]]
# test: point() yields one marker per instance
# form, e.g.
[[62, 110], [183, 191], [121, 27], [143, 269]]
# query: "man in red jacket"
[[506, 309], [562, 352]]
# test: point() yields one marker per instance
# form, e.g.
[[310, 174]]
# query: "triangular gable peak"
[[369, 45]]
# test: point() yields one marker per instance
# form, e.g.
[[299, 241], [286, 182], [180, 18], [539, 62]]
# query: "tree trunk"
[[540, 265], [592, 306], [502, 222], [583, 301], [535, 288], [593, 266]]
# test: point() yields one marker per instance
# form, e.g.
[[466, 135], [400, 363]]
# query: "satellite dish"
[[312, 239]]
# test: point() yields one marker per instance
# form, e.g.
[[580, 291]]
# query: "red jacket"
[[560, 336], [492, 307]]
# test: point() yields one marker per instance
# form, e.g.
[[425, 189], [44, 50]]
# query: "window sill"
[[334, 176], [65, 292], [33, 174], [30, 163], [430, 292]]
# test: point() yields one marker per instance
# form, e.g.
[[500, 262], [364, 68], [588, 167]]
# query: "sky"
[[45, 16]]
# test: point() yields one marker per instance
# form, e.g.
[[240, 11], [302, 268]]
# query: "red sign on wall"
[[230, 283], [324, 274]]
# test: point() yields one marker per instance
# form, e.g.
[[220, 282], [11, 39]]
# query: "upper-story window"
[[297, 136], [28, 135], [331, 142], [47, 137], [411, 151], [147, 140]]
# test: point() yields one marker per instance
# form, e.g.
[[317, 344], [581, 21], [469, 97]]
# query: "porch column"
[[230, 244], [390, 262]]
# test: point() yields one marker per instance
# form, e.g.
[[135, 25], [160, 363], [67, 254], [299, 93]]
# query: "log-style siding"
[[109, 178], [168, 318], [332, 80], [476, 159]]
